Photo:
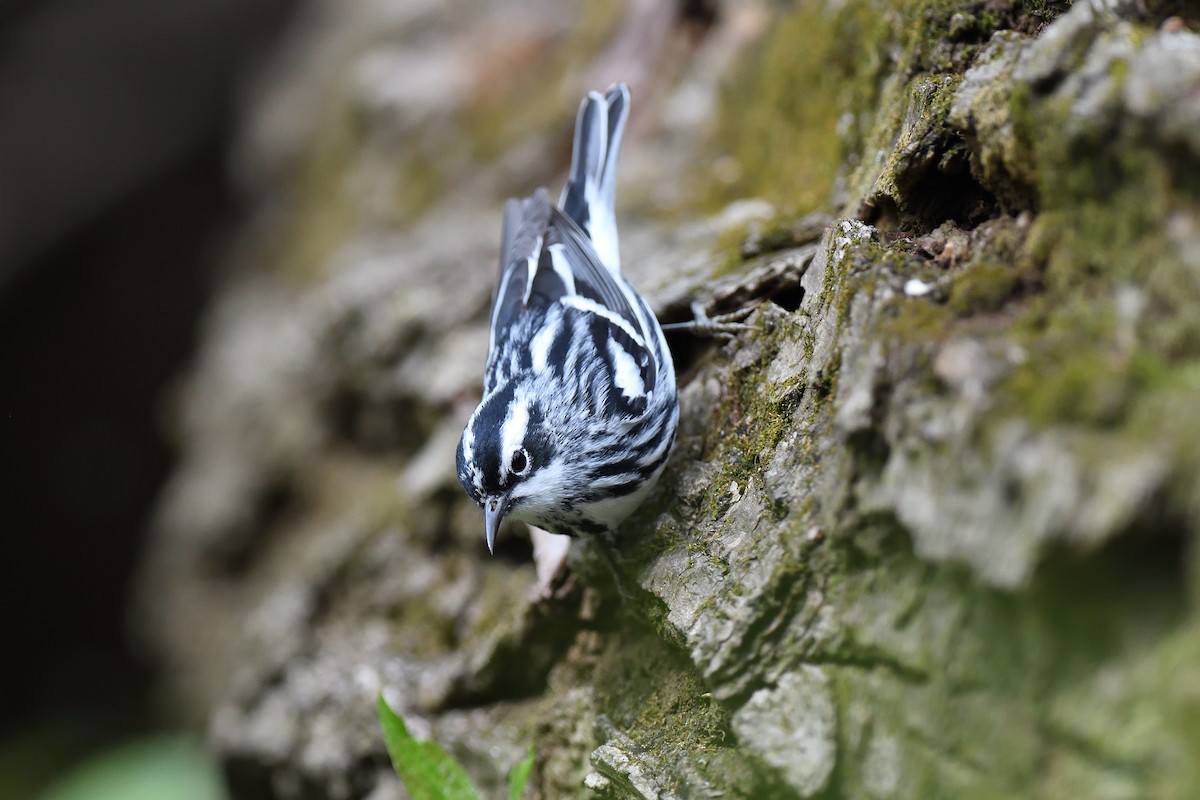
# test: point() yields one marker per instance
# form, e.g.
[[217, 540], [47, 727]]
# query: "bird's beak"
[[494, 509]]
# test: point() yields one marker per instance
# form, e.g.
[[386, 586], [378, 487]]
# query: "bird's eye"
[[519, 463]]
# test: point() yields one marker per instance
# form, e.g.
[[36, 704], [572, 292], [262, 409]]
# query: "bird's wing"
[[590, 277], [549, 259], [524, 231], [619, 335]]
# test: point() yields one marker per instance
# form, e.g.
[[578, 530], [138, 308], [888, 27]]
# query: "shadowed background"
[[115, 201]]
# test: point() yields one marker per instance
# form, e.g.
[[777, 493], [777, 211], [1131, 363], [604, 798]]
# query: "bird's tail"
[[590, 191]]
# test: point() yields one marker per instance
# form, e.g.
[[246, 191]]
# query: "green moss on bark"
[[782, 110]]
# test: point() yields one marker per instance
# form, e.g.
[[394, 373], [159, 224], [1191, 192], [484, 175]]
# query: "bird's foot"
[[720, 326]]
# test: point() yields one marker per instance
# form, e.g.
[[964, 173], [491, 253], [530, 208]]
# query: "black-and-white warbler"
[[579, 409]]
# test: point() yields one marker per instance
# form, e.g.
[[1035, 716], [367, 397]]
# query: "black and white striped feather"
[[579, 409]]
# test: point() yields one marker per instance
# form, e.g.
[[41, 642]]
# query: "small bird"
[[579, 409]]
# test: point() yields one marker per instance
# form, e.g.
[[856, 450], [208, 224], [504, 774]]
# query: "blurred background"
[[115, 205]]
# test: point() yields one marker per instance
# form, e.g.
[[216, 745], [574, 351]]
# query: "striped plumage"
[[579, 409]]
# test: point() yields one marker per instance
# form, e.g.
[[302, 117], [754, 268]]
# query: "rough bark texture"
[[929, 528]]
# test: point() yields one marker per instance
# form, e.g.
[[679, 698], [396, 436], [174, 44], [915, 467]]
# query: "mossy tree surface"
[[930, 525], [1043, 371]]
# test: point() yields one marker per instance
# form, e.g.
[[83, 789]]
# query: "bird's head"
[[507, 458]]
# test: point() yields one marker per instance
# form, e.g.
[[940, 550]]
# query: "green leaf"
[[427, 771], [143, 769], [520, 776]]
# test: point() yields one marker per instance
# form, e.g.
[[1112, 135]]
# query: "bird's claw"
[[721, 326]]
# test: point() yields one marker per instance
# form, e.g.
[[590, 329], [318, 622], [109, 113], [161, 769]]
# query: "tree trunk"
[[929, 527]]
